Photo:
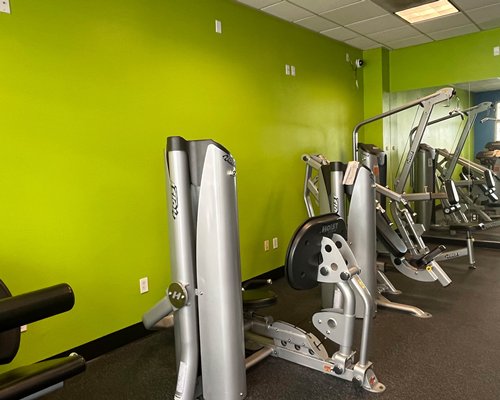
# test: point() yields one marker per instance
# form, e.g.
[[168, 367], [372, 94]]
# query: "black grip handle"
[[431, 255], [386, 218]]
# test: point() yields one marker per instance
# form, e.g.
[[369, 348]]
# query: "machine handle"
[[159, 311]]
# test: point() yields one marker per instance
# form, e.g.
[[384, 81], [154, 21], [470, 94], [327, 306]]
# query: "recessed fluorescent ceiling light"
[[427, 11]]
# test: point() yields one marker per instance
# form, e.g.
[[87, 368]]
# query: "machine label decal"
[[175, 201], [329, 228], [230, 160], [335, 204], [181, 379]]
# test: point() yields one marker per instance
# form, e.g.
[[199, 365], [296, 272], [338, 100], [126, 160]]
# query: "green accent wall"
[[376, 86], [459, 59], [89, 92]]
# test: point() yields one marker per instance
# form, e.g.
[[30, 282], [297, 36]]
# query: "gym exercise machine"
[[402, 214], [434, 169], [36, 380], [324, 192], [205, 295]]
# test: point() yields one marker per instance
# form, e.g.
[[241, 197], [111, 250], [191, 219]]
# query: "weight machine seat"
[[254, 299], [256, 295], [389, 237], [23, 309], [303, 255]]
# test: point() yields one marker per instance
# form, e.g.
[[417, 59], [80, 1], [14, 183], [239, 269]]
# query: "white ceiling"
[[365, 25]]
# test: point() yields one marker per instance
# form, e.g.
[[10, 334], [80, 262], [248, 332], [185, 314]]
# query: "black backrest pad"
[[389, 237], [9, 340], [303, 256]]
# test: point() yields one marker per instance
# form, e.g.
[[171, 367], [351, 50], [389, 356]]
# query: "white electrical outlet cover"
[[143, 285], [496, 51], [5, 6], [287, 69], [292, 70], [218, 26]]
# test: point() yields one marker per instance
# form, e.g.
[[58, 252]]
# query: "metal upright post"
[[182, 259], [362, 232]]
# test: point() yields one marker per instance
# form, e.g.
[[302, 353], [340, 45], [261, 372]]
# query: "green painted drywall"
[[460, 59], [376, 86], [89, 92]]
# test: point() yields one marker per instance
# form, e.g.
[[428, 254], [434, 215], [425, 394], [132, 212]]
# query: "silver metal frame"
[[283, 340], [427, 102], [205, 293]]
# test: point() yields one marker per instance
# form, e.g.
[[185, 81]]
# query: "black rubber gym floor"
[[453, 355]]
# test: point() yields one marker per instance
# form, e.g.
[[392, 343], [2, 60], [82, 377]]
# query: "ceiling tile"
[[442, 23], [340, 34], [362, 43], [486, 17], [316, 23], [470, 4], [354, 13], [413, 41], [448, 33], [392, 35], [319, 6], [259, 3], [287, 11], [377, 24]]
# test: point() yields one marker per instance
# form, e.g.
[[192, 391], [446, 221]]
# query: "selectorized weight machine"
[[325, 192], [434, 170], [410, 232], [211, 320], [435, 167]]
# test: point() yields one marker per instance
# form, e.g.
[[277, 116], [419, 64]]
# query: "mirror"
[[448, 134]]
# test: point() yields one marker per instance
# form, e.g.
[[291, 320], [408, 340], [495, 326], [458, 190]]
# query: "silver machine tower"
[[205, 293], [213, 322]]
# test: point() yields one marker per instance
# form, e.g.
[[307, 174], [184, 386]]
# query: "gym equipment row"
[[214, 322], [219, 329]]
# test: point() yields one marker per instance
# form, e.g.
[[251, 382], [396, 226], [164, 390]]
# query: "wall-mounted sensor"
[[359, 63]]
